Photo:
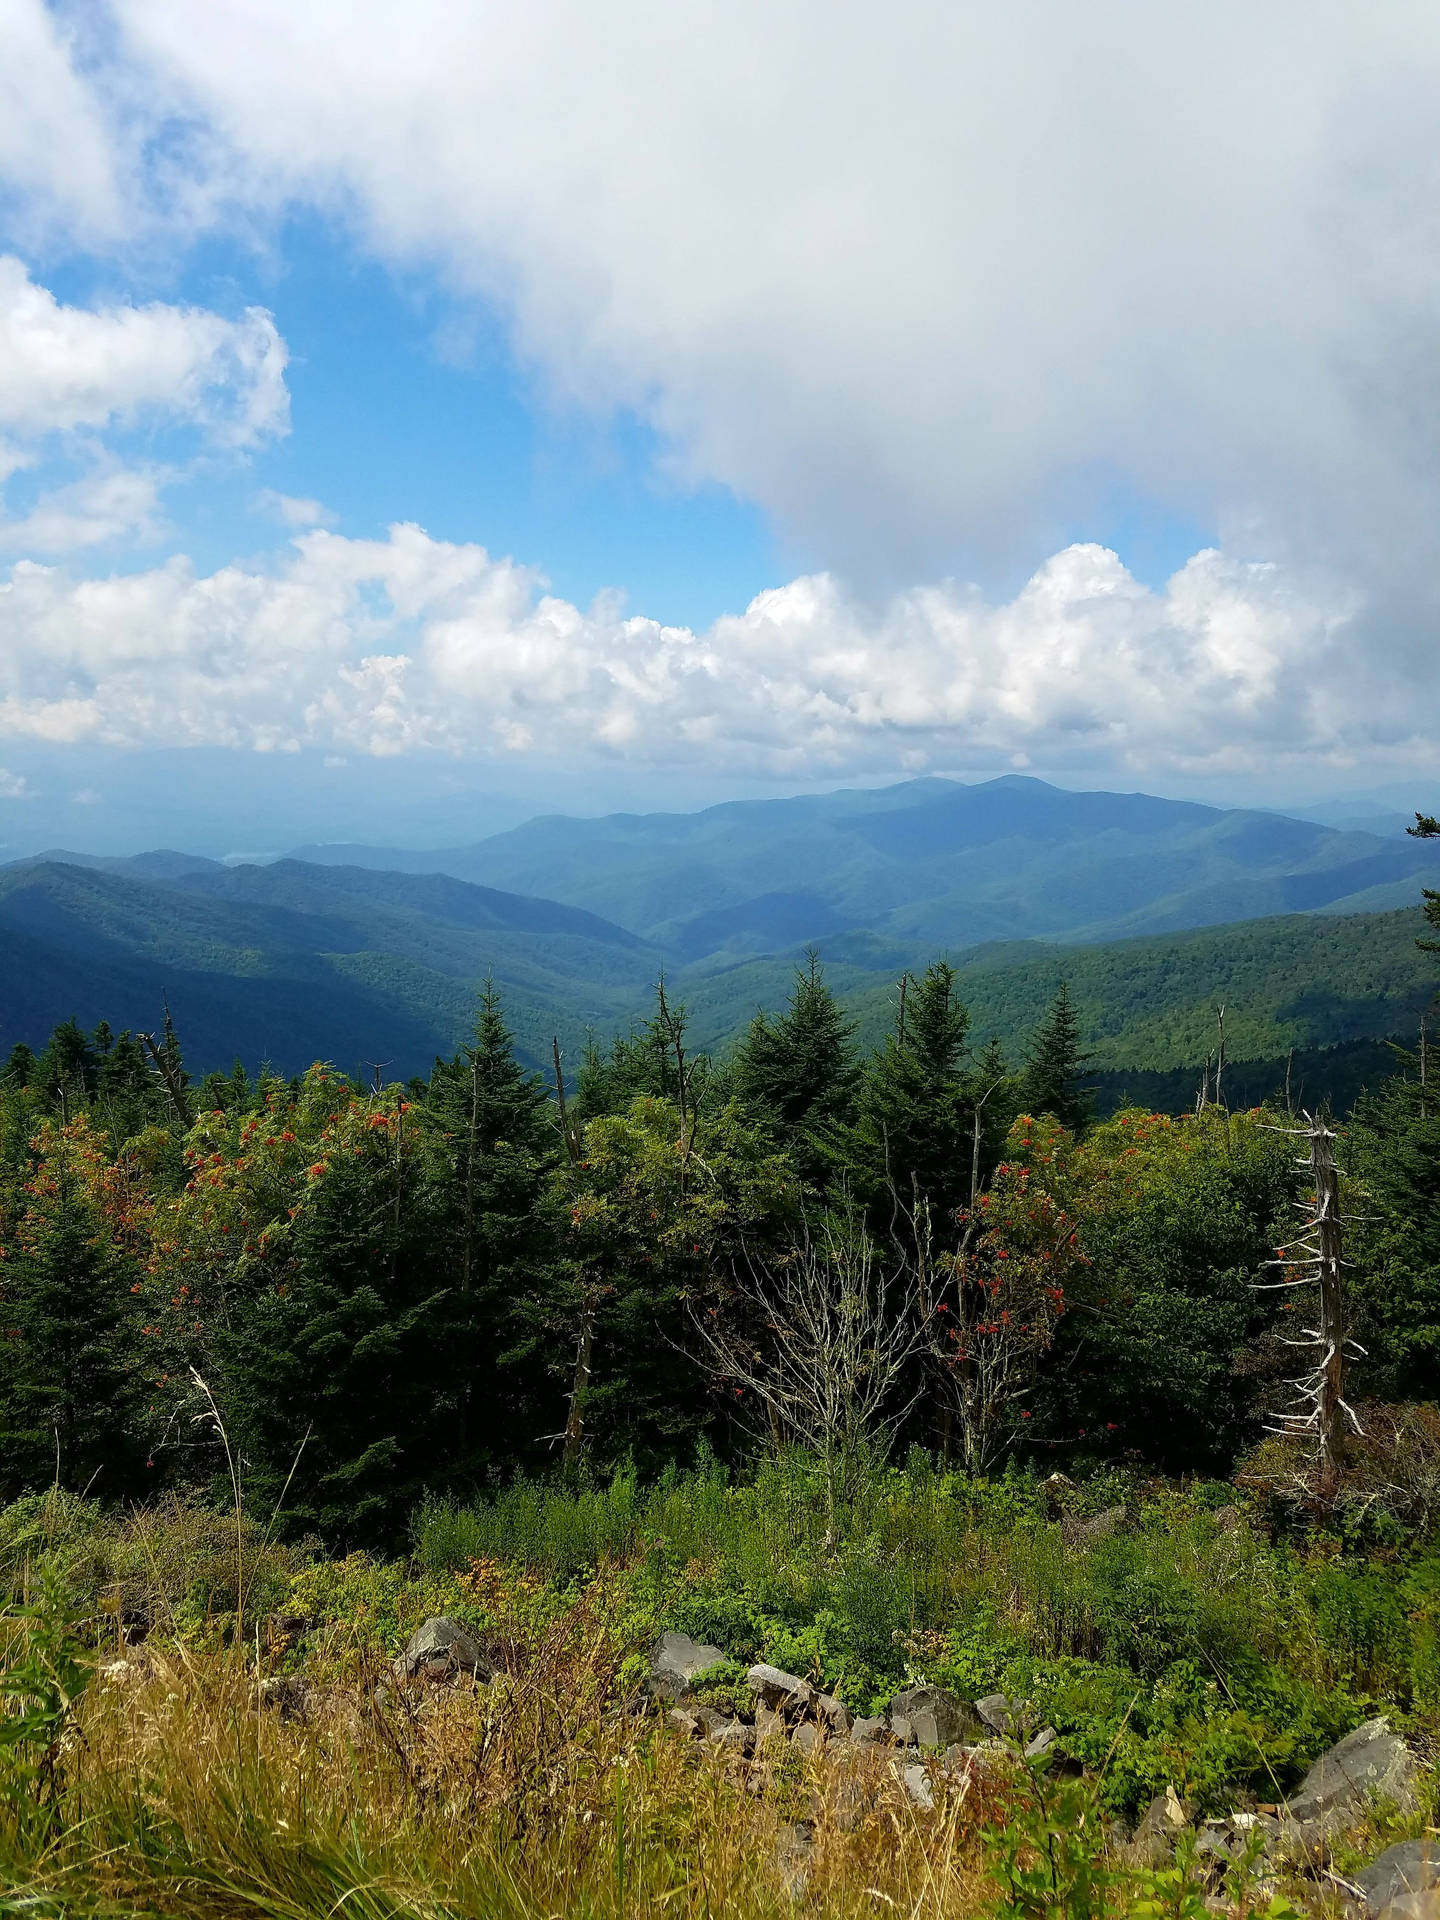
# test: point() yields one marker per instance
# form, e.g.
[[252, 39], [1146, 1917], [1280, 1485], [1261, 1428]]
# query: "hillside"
[[291, 961], [936, 863]]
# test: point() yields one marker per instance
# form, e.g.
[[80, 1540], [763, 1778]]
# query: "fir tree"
[[19, 1069], [1050, 1082], [911, 1135], [344, 1365], [799, 1071], [69, 1388], [504, 1146]]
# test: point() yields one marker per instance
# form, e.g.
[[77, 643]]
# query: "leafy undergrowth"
[[1180, 1645]]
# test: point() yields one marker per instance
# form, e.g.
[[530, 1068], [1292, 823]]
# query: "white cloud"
[[63, 367], [292, 511], [917, 280], [14, 786], [389, 646], [107, 505]]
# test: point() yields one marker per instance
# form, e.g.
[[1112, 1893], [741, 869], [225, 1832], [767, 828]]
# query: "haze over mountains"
[[365, 954], [930, 861]]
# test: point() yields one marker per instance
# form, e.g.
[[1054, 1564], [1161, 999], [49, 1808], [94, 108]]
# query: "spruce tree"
[[504, 1145], [69, 1380], [910, 1138], [342, 1370], [1053, 1065], [798, 1072]]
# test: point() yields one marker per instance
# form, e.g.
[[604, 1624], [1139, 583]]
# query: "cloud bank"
[[409, 644], [924, 281]]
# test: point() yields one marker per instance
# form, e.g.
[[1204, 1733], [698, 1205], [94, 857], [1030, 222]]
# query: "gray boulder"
[[1413, 1906], [1370, 1763], [442, 1650], [830, 1711], [866, 1732], [928, 1717], [1153, 1842], [997, 1712], [918, 1790], [1100, 1526], [781, 1692], [1042, 1743], [1410, 1867], [675, 1659]]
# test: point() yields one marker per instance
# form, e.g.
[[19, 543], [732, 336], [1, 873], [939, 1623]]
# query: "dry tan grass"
[[532, 1797]]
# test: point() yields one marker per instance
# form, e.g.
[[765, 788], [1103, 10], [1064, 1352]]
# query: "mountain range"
[[930, 863], [361, 955]]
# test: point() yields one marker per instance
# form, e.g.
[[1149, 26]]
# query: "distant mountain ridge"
[[933, 861], [1133, 900]]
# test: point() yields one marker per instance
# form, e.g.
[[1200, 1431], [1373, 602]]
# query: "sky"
[[413, 418]]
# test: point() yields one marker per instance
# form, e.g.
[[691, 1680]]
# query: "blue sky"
[[412, 419]]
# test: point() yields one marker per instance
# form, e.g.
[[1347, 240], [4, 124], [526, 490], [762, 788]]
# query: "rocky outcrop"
[[1369, 1764], [441, 1653], [675, 1660], [1404, 1876]]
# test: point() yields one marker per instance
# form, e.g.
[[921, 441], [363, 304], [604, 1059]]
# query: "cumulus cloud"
[[65, 367], [14, 786], [379, 647]]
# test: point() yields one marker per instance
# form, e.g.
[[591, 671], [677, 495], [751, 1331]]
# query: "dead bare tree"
[[821, 1336], [1321, 1411]]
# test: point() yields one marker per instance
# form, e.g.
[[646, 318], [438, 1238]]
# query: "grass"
[[1182, 1648]]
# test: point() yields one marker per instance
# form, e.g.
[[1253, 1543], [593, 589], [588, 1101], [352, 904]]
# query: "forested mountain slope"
[[935, 862], [292, 962]]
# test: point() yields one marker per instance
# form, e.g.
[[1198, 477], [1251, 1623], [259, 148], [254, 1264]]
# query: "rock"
[[684, 1723], [807, 1736], [675, 1659], [831, 1713], [1413, 1906], [710, 1720], [927, 1717], [442, 1650], [284, 1693], [768, 1722], [1056, 1492], [866, 1733], [916, 1782], [1100, 1526], [997, 1712], [1153, 1842], [1370, 1763], [734, 1736], [1410, 1867], [783, 1692], [1042, 1743]]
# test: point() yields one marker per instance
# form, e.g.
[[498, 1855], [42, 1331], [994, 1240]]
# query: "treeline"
[[346, 1297]]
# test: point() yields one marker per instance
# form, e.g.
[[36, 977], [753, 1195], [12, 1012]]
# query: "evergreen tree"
[[799, 1071], [19, 1068], [342, 1363], [69, 1388], [68, 1069], [1051, 1080], [504, 1146], [910, 1137]]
